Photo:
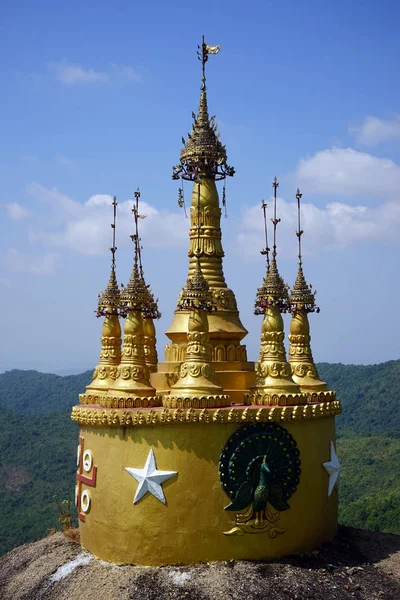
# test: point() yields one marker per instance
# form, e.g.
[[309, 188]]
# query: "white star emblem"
[[150, 479], [332, 467]]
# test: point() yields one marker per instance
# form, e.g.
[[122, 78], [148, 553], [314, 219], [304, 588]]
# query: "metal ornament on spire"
[[113, 249], [299, 231], [181, 201], [265, 251], [275, 221], [202, 54], [203, 155], [274, 291], [137, 295], [109, 299], [302, 296]]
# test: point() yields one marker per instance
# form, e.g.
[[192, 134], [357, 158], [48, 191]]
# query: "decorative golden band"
[[219, 401], [108, 401], [257, 397], [96, 416]]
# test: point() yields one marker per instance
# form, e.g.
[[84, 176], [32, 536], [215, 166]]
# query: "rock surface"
[[359, 564]]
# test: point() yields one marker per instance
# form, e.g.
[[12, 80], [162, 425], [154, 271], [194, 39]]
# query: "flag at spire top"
[[212, 49]]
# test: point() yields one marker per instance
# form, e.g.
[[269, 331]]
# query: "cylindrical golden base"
[[192, 526]]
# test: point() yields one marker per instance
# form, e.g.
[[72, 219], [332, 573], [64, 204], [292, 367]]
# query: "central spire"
[[203, 161]]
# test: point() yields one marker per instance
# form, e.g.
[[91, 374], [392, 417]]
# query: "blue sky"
[[95, 99]]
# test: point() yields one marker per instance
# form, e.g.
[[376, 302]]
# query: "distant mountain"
[[38, 447], [34, 393], [370, 396], [70, 371]]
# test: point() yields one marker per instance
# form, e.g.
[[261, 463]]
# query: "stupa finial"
[[274, 291], [138, 295], [203, 154], [302, 296], [109, 299]]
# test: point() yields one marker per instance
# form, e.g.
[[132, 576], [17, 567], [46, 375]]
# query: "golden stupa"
[[205, 456]]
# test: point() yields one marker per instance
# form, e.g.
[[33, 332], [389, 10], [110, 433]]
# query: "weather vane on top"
[[202, 54], [203, 156]]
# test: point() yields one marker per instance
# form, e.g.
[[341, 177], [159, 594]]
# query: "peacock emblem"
[[259, 470]]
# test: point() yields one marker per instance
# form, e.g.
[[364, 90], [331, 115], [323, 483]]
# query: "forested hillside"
[[38, 451], [34, 393], [368, 443], [370, 395], [38, 447]]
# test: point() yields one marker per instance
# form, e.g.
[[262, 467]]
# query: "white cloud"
[[70, 73], [16, 212], [86, 227], [347, 172], [64, 161], [62, 206], [17, 261], [337, 225], [127, 73], [374, 130], [343, 173]]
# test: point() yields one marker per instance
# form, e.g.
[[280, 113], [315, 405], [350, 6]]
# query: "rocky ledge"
[[359, 564]]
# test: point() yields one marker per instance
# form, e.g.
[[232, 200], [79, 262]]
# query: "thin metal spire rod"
[[203, 57], [275, 221], [266, 250], [113, 249], [299, 231], [135, 237]]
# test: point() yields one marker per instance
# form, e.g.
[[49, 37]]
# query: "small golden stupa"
[[205, 456]]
